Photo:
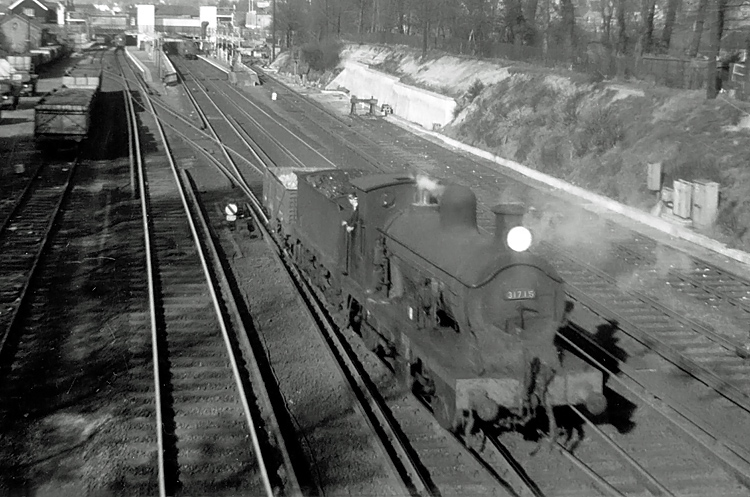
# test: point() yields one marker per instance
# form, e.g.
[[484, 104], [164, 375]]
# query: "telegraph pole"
[[273, 30]]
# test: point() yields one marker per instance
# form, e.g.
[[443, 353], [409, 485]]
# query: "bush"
[[474, 90], [599, 131], [322, 56]]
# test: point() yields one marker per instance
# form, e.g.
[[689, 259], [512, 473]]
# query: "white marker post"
[[231, 214]]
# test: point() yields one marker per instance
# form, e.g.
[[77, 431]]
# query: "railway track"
[[702, 280], [505, 469], [421, 462], [51, 257], [24, 235], [211, 439]]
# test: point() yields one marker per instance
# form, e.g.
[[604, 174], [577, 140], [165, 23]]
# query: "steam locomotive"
[[467, 321]]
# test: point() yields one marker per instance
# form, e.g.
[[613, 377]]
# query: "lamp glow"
[[519, 239]]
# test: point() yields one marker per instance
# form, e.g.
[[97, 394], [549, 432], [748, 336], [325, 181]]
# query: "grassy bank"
[[602, 136], [597, 135]]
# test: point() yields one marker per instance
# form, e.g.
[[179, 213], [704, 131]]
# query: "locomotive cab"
[[379, 197]]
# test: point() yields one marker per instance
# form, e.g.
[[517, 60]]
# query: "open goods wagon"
[[64, 115], [83, 76], [280, 195]]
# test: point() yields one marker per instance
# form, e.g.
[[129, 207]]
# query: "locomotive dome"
[[458, 208]]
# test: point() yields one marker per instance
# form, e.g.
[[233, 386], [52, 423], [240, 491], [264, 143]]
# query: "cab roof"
[[374, 181]]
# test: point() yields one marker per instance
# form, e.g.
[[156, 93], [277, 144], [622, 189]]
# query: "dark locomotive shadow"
[[602, 345], [571, 428]]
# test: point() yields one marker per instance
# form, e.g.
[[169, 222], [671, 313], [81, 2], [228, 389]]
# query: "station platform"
[[240, 76], [143, 61]]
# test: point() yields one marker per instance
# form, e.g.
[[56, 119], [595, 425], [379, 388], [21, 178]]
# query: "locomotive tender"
[[468, 321]]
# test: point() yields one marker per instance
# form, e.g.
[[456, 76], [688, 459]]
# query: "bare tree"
[[568, 15], [292, 19], [607, 6], [669, 19], [425, 25], [545, 28], [700, 16], [529, 13], [712, 87], [622, 35], [514, 21]]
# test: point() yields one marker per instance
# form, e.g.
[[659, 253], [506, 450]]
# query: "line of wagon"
[[64, 115]]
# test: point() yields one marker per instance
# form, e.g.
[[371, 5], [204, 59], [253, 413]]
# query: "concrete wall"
[[146, 18], [208, 14], [180, 23], [423, 107]]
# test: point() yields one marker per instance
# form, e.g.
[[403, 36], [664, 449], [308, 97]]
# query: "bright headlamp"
[[519, 239]]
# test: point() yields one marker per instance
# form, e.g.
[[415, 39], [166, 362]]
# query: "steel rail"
[[692, 280], [525, 487], [17, 204], [293, 488], [217, 307], [150, 274], [37, 257], [733, 457], [360, 389], [256, 152], [652, 483], [259, 126], [371, 408]]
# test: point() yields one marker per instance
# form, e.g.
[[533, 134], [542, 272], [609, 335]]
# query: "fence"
[[594, 59]]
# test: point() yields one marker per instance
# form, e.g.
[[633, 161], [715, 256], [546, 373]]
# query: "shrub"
[[322, 56], [599, 131], [474, 90]]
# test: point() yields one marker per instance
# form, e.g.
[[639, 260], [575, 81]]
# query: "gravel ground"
[[65, 432], [344, 456]]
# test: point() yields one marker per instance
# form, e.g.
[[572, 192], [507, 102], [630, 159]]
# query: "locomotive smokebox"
[[507, 216], [458, 208]]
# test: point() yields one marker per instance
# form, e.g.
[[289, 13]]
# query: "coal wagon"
[[64, 115]]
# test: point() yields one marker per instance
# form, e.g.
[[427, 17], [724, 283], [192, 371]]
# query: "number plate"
[[520, 294]]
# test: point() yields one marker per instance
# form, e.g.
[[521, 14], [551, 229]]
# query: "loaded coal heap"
[[335, 183]]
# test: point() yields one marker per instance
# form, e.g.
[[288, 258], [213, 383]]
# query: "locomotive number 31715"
[[520, 294]]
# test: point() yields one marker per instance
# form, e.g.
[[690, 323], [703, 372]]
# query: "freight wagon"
[[280, 196], [64, 115]]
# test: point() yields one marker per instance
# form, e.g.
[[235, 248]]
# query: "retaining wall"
[[419, 106]]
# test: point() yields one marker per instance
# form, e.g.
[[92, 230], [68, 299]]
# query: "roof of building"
[[24, 18], [85, 8], [176, 11], [42, 3]]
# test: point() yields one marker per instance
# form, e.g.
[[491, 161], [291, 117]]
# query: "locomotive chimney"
[[507, 216], [427, 190], [458, 208]]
